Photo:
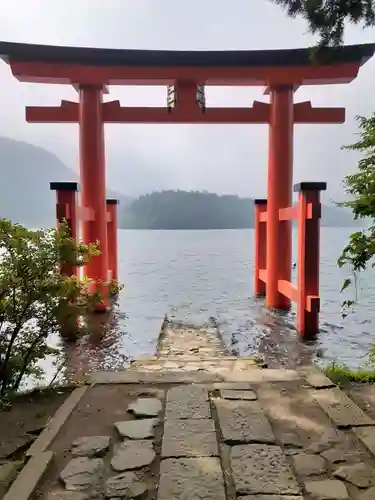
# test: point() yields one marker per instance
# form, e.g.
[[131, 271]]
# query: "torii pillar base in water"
[[67, 209], [307, 213]]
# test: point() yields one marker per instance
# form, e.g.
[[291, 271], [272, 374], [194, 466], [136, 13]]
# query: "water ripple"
[[197, 274]]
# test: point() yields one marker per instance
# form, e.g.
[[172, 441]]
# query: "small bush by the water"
[[341, 375], [35, 298]]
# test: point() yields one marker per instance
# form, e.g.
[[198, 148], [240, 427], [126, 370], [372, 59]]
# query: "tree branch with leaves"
[[327, 18], [35, 298], [360, 186]]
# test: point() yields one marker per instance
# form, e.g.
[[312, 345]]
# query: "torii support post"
[[93, 194], [279, 194], [306, 294], [260, 248], [112, 238], [309, 214], [66, 209]]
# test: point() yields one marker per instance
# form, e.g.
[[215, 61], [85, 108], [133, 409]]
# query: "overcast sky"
[[141, 158]]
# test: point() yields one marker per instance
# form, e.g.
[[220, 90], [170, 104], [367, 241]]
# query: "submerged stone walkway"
[[230, 430]]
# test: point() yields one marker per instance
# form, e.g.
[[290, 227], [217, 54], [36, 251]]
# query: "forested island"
[[203, 210]]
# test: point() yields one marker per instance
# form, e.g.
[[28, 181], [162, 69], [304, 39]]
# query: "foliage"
[[34, 297], [341, 375], [189, 210], [327, 17], [202, 210], [360, 250], [115, 287]]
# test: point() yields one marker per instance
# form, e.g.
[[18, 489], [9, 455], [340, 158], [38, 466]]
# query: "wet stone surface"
[[187, 402], [189, 438], [137, 429], [243, 422], [126, 486], [94, 446], [133, 455], [145, 407], [261, 469], [198, 478], [186, 340], [82, 473]]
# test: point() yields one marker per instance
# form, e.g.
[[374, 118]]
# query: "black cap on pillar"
[[64, 186]]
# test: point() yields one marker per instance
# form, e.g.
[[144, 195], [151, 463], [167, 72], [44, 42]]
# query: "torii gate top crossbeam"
[[71, 65]]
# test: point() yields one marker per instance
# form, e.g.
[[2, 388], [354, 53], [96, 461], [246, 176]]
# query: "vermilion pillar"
[[112, 238], [309, 213], [66, 208], [93, 185], [280, 173], [260, 232]]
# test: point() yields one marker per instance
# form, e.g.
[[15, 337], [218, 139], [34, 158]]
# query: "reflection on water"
[[197, 274], [98, 350]]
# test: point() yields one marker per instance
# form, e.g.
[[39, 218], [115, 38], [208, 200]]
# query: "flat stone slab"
[[368, 495], [309, 465], [8, 472], [125, 485], [235, 394], [145, 377], [29, 477], [327, 489], [339, 455], [262, 469], [330, 437], [243, 422], [198, 478], [93, 446], [367, 436], [137, 429], [251, 375], [255, 375], [360, 474], [231, 386], [82, 473], [189, 438], [66, 495], [187, 402], [145, 407], [316, 378], [270, 497], [133, 455], [341, 409]]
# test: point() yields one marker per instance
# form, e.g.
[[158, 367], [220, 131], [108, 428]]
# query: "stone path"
[[179, 339], [197, 352], [228, 441], [239, 432]]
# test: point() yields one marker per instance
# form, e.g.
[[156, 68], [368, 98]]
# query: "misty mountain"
[[202, 210], [26, 173], [25, 197]]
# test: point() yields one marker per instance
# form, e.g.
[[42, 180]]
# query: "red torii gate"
[[186, 73]]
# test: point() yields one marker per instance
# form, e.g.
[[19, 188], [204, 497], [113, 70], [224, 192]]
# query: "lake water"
[[197, 274]]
